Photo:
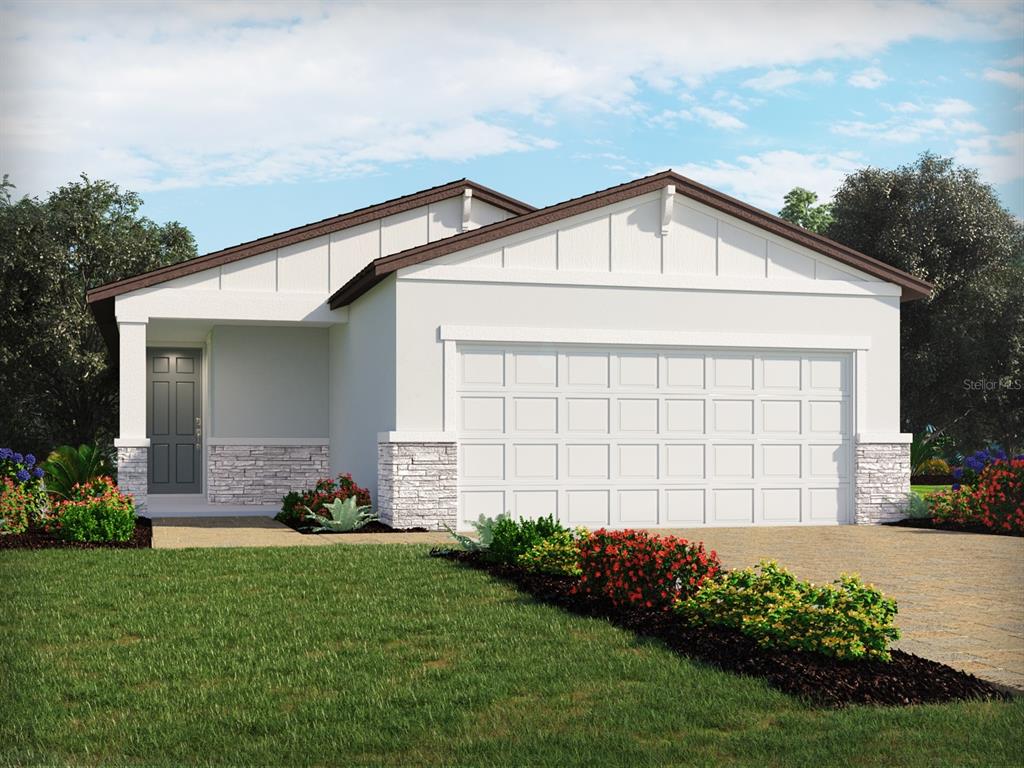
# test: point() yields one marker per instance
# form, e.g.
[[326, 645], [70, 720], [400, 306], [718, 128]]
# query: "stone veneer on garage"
[[262, 474], [133, 475], [882, 482], [417, 484]]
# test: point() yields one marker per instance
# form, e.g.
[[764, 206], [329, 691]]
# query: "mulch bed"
[[928, 523], [824, 681], [142, 538], [932, 480], [374, 526]]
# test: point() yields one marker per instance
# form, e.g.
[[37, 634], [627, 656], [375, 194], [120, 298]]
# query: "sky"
[[242, 119]]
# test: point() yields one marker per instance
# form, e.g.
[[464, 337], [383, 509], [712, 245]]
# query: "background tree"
[[800, 209], [57, 381], [962, 359]]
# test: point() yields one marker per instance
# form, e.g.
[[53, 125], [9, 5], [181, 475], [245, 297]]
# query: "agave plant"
[[342, 516], [68, 466], [484, 533]]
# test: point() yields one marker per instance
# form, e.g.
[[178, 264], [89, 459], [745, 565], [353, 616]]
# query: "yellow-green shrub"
[[846, 619], [933, 467], [556, 555]]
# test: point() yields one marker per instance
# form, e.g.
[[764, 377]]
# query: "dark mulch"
[[907, 679], [932, 480], [374, 526], [34, 538], [927, 522]]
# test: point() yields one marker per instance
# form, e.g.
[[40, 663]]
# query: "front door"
[[174, 420]]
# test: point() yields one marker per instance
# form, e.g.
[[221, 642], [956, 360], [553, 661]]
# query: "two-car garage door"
[[626, 437]]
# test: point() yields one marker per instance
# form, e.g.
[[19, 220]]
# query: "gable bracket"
[[668, 198], [467, 207]]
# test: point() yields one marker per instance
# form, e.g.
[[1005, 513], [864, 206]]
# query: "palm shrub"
[[341, 516], [484, 527], [68, 466], [846, 619]]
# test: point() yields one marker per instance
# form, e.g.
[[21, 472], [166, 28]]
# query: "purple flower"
[[958, 473], [22, 475], [30, 460], [5, 453], [38, 472], [956, 486], [18, 458]]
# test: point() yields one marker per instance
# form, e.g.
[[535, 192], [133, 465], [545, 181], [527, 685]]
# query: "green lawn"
[[924, 490], [380, 655]]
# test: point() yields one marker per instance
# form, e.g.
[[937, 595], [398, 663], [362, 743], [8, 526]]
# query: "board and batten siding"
[[324, 264]]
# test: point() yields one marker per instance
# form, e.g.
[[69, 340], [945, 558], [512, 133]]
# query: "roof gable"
[[309, 232], [912, 287]]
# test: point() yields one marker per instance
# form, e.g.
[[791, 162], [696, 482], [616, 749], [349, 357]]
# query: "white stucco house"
[[654, 354]]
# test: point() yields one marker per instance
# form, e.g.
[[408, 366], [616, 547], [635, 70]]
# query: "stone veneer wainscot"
[[133, 474], [881, 481], [417, 484], [262, 474]]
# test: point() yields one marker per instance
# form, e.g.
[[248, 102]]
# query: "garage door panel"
[[535, 414], [587, 414], [637, 507], [654, 437], [587, 507]]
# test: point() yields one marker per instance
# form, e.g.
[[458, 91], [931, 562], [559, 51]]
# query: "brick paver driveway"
[[961, 595]]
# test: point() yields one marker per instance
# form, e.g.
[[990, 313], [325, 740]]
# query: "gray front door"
[[174, 420]]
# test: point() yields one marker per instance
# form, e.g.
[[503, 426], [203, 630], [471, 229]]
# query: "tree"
[[800, 209], [962, 358], [58, 382]]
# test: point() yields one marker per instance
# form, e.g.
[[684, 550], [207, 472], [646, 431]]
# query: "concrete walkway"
[[960, 594], [254, 531]]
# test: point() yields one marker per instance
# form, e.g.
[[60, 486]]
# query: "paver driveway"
[[961, 595]]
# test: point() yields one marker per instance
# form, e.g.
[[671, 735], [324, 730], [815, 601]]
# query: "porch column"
[[132, 444]]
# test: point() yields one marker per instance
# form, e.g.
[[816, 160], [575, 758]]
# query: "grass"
[[379, 655], [924, 490]]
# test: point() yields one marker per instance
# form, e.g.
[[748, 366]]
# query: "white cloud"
[[1013, 63], [950, 107], [1003, 77], [191, 94], [870, 78], [779, 79], [905, 127], [669, 118], [763, 180], [999, 159]]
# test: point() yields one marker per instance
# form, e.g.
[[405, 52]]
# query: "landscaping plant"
[[512, 538], [638, 569], [341, 516], [295, 504], [26, 477], [556, 555], [846, 619], [68, 466], [976, 463], [93, 511], [15, 501], [484, 527], [995, 501]]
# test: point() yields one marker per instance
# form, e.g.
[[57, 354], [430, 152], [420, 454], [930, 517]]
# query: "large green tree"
[[799, 207], [57, 380], [962, 364]]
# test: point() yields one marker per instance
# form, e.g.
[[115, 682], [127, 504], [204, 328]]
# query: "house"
[[654, 354]]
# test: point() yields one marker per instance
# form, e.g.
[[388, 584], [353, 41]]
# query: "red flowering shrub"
[[324, 492], [996, 501], [94, 511], [15, 502], [635, 568]]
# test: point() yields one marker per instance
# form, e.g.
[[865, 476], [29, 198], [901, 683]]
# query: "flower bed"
[[36, 537], [904, 680]]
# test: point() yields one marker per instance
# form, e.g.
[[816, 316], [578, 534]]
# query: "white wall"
[[425, 305], [268, 382], [362, 384]]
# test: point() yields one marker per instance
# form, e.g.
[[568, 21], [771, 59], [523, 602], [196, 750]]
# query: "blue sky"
[[243, 119]]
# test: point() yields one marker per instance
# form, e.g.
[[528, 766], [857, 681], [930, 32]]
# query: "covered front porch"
[[222, 415]]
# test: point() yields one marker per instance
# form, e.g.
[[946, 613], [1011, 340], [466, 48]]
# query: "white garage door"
[[627, 437]]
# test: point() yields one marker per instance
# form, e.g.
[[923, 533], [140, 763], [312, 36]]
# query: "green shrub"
[[67, 466], [556, 555], [341, 516], [511, 538], [94, 511], [846, 619], [15, 503], [918, 507], [294, 505]]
